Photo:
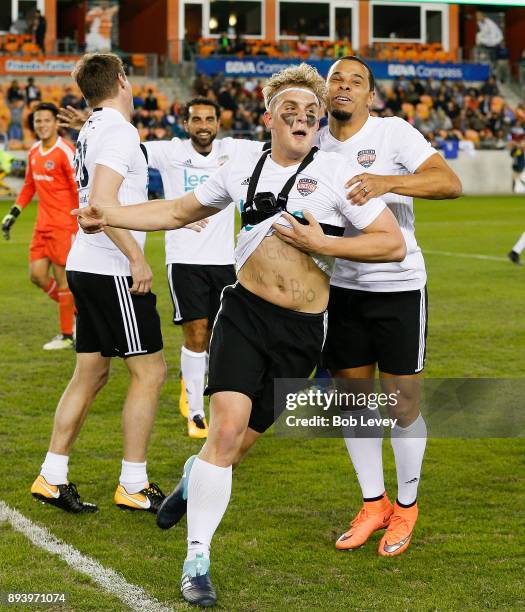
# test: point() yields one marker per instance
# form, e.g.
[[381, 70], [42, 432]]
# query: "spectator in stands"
[[521, 67], [240, 46], [303, 48], [14, 93], [224, 44], [15, 131], [489, 35], [33, 93], [39, 27], [69, 98], [517, 153], [490, 87], [226, 98], [20, 25], [342, 48], [150, 102]]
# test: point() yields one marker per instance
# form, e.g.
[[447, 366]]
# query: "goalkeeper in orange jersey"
[[50, 174]]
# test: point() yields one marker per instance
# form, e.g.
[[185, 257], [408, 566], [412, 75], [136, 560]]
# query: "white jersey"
[[388, 146], [109, 140], [319, 188], [183, 169]]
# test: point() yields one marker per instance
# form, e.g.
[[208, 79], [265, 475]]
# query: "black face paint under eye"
[[311, 120], [289, 119]]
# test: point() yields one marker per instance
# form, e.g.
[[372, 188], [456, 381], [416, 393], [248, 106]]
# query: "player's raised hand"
[[72, 118], [142, 276], [308, 238], [9, 220], [91, 218], [365, 186]]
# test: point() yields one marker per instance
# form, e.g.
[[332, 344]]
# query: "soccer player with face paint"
[[271, 323]]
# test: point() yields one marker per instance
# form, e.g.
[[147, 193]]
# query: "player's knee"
[[227, 440], [153, 376], [38, 279]]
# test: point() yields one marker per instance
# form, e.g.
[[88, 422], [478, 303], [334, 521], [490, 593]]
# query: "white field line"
[[466, 255], [133, 596]]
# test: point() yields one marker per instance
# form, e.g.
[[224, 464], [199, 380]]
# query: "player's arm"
[[380, 241], [105, 187], [24, 197], [208, 199], [433, 180], [148, 217]]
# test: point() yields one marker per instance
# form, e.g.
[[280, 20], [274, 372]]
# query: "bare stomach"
[[281, 274]]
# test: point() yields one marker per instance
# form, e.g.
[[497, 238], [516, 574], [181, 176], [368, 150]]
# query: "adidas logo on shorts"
[[246, 181]]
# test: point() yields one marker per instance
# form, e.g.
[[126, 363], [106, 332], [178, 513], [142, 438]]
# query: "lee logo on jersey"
[[191, 181], [306, 186], [366, 157]]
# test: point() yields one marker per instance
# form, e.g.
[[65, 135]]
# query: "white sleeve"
[[158, 153], [214, 192], [411, 148], [118, 148], [359, 216], [245, 147]]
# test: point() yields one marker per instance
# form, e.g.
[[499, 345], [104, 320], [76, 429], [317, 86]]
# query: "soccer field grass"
[[275, 548]]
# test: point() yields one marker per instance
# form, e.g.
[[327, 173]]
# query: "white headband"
[[267, 104]]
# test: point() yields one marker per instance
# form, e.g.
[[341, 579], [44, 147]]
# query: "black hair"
[[355, 58], [202, 102], [49, 106]]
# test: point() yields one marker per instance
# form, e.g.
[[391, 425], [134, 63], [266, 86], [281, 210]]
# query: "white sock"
[[54, 469], [133, 476], [520, 245], [367, 454], [209, 490], [409, 448], [193, 367]]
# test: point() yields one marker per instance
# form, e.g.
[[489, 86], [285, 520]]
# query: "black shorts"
[[253, 342], [196, 290], [366, 327], [111, 320]]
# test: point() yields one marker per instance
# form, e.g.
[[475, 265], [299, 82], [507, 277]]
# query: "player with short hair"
[[199, 263], [378, 312], [50, 174], [271, 323], [111, 280]]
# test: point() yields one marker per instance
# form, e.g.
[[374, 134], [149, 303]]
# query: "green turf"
[[274, 550]]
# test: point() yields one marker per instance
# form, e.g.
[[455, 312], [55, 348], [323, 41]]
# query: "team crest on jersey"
[[49, 165], [366, 157], [306, 186], [223, 159]]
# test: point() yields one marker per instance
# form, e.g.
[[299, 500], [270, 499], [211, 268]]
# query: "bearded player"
[[50, 175]]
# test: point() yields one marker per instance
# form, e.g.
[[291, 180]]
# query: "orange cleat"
[[374, 515], [399, 533]]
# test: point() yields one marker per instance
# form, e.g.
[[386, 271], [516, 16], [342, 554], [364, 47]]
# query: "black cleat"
[[149, 499], [173, 508], [514, 257], [63, 496], [196, 586]]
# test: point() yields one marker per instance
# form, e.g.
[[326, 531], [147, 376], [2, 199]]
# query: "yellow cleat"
[[197, 427], [184, 408], [149, 499]]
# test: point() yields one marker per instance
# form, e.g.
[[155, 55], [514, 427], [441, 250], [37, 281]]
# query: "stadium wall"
[[484, 172]]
